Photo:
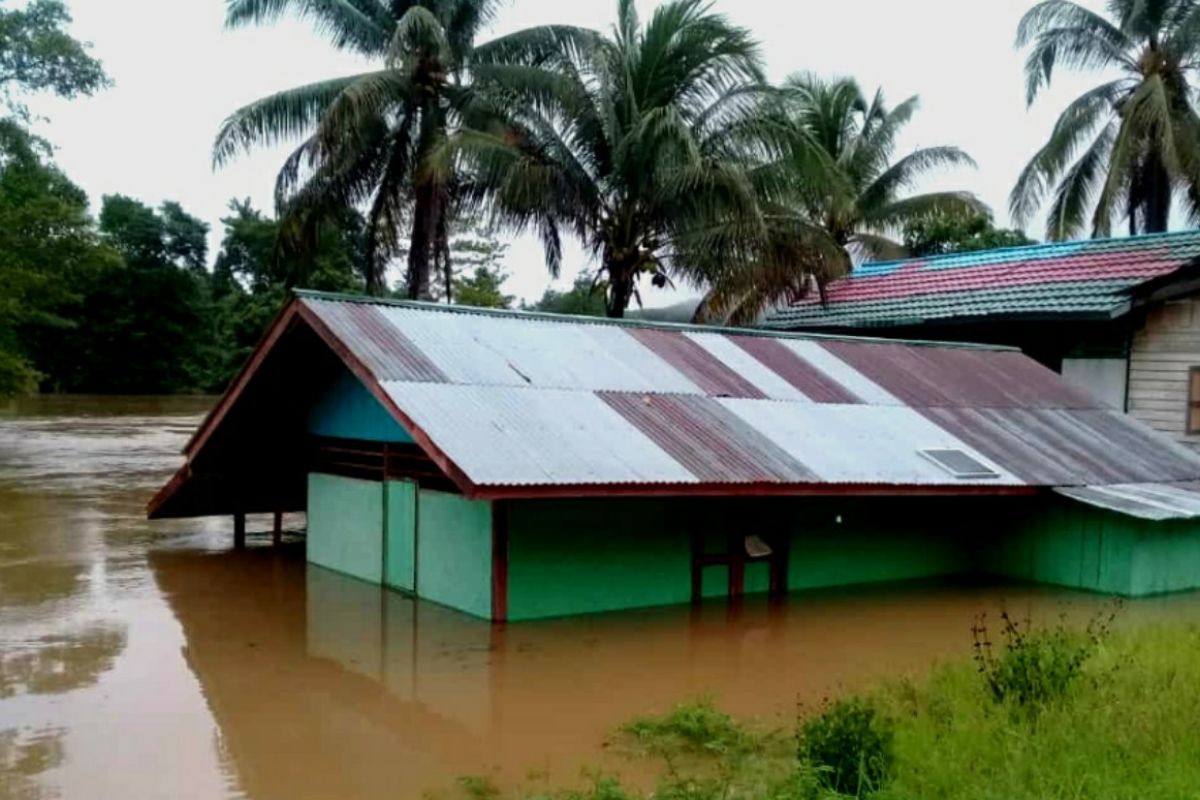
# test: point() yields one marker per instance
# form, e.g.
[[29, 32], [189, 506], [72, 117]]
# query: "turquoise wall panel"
[[1167, 557], [454, 552], [400, 556], [581, 556], [1064, 543], [345, 525], [346, 410]]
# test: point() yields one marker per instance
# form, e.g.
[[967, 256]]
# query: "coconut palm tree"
[[651, 146], [369, 137], [860, 201], [1129, 146]]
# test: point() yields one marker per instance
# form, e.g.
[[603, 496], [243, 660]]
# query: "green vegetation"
[[1079, 714], [1130, 146], [943, 234]]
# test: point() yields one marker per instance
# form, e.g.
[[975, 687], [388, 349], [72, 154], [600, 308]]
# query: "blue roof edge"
[[1034, 248]]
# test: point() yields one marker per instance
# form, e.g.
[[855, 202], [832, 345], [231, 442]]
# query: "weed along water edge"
[[227, 674]]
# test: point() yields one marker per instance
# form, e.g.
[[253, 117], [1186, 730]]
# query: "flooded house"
[[516, 466], [1118, 317]]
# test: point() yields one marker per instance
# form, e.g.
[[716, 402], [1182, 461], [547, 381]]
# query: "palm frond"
[[279, 117], [904, 173], [1069, 212], [361, 25], [1075, 125]]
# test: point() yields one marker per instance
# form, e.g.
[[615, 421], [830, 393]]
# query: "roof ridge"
[[444, 308], [1030, 248]]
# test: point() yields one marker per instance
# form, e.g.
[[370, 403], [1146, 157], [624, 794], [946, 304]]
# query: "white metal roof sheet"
[[845, 443], [1153, 501], [513, 351], [529, 436]]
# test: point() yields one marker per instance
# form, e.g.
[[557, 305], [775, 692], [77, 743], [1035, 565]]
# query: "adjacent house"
[[516, 466], [1119, 317]]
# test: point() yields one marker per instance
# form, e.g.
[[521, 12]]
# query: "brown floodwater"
[[146, 660]]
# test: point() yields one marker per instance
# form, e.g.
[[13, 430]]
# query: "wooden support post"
[[277, 530], [239, 530]]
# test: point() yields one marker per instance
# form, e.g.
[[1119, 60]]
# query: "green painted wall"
[[1167, 558], [346, 410], [837, 542], [1059, 541], [581, 556], [400, 556], [345, 525], [454, 552]]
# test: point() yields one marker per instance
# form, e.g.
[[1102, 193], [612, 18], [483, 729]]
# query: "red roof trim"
[[755, 489]]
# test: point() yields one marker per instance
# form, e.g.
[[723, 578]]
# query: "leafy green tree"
[[47, 248], [860, 199], [376, 139], [648, 145], [940, 235], [482, 287], [37, 54], [1129, 146], [254, 273], [584, 299], [144, 325]]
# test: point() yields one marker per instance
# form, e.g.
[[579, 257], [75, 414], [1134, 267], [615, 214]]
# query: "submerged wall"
[[1065, 543], [580, 556], [345, 525]]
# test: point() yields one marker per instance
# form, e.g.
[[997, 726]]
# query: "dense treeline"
[[657, 144]]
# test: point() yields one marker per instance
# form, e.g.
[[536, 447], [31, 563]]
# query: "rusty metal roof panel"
[[735, 354], [960, 378], [851, 443], [382, 347], [520, 436], [1153, 501], [1069, 447], [713, 444]]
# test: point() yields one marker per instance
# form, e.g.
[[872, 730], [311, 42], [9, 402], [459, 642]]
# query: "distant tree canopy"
[[583, 299], [38, 55], [940, 235]]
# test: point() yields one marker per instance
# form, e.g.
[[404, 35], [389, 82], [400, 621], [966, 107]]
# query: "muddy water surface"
[[143, 660]]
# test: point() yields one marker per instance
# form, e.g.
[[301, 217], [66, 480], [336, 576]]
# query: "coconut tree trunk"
[[1157, 209], [427, 221], [621, 276]]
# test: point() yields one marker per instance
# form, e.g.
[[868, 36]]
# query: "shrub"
[[1034, 667], [850, 744]]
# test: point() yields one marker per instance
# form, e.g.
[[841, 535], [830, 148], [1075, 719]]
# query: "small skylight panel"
[[960, 464]]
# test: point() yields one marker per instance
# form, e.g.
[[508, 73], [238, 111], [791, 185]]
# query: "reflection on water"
[[141, 660], [23, 758], [323, 685]]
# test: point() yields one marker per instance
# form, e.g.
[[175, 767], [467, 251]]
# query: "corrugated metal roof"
[[1090, 278], [1153, 501], [508, 436], [514, 401]]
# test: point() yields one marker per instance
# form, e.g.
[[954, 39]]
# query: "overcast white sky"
[[178, 73]]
